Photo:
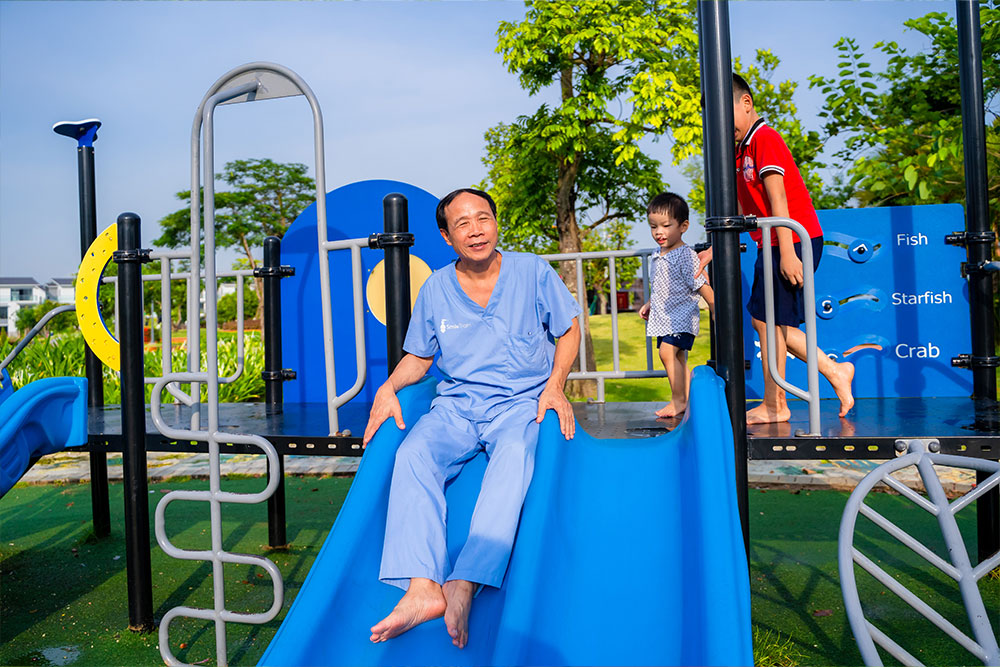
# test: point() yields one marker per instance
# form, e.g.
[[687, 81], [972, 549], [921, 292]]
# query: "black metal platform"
[[300, 428], [868, 432]]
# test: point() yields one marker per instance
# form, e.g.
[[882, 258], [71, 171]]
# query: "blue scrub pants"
[[441, 442]]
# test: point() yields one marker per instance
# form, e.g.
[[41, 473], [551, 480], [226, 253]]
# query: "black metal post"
[[137, 543], [99, 501], [273, 380], [977, 225], [397, 275], [720, 201], [85, 134]]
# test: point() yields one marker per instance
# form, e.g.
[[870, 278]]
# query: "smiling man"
[[494, 318]]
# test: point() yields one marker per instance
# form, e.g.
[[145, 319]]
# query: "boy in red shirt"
[[768, 184]]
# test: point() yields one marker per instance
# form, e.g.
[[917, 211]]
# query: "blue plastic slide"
[[629, 552], [40, 418]]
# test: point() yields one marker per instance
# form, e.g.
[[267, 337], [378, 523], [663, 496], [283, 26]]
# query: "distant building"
[[17, 293], [61, 290]]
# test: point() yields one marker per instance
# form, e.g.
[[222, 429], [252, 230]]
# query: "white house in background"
[[61, 290], [17, 293]]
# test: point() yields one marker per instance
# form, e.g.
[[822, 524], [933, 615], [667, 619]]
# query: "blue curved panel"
[[353, 211], [628, 552], [890, 299], [42, 417]]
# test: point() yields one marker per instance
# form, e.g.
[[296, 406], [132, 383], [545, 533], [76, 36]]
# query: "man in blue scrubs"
[[494, 318]]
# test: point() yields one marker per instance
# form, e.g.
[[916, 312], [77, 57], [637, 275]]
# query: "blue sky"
[[407, 91]]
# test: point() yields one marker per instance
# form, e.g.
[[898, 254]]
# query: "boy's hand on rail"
[[554, 399], [791, 269], [384, 406], [704, 259]]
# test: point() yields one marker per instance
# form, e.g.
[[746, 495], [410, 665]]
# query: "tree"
[[29, 316], [624, 70], [902, 128], [266, 198], [774, 102]]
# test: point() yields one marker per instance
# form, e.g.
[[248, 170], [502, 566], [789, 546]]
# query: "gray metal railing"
[[922, 454], [23, 343], [616, 373], [247, 83], [809, 296]]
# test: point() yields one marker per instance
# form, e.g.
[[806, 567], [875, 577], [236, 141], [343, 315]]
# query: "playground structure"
[[135, 437]]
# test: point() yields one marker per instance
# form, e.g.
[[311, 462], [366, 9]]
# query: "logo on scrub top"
[[446, 326], [748, 168]]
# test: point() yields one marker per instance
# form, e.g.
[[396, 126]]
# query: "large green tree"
[[571, 176], [901, 128], [264, 199]]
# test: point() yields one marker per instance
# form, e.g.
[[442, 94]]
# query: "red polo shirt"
[[763, 151]]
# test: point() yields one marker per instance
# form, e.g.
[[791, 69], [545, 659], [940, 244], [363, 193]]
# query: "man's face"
[[742, 116], [472, 228]]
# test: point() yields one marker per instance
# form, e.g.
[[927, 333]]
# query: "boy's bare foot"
[[458, 594], [763, 414], [672, 409], [422, 602], [842, 385]]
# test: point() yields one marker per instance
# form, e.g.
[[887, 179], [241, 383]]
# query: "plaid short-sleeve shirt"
[[673, 301]]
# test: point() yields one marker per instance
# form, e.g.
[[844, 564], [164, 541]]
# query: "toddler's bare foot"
[[672, 409], [422, 602], [764, 414], [841, 381], [458, 594]]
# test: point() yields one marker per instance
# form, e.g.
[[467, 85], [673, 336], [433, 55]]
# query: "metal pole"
[[720, 200], [137, 543], [85, 133], [273, 380], [99, 501], [977, 224], [397, 276]]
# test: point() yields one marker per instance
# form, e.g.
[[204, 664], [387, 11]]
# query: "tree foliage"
[[901, 127], [265, 198]]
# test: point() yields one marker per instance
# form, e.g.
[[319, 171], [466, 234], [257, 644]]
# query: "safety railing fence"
[[578, 258], [922, 454], [166, 277], [29, 336], [809, 297]]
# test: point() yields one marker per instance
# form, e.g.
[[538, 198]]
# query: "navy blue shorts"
[[788, 307], [682, 341]]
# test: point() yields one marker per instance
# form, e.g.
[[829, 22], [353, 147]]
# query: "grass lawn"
[[63, 594]]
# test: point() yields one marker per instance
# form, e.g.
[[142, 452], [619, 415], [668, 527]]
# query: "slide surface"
[[629, 552], [40, 418]]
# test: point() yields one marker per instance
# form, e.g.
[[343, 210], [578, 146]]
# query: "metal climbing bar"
[[251, 82], [923, 455]]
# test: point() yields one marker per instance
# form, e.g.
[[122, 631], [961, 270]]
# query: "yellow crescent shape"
[[88, 282], [375, 289]]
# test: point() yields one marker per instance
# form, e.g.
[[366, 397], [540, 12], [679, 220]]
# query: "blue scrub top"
[[490, 355]]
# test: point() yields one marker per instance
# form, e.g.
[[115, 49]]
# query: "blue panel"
[[650, 526], [887, 280], [353, 211]]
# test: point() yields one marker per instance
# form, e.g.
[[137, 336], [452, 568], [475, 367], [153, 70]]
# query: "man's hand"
[[555, 399], [791, 268], [384, 406], [644, 311]]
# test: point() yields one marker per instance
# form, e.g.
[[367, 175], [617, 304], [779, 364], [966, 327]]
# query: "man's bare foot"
[[458, 593], [763, 414], [841, 382], [672, 409], [422, 602]]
